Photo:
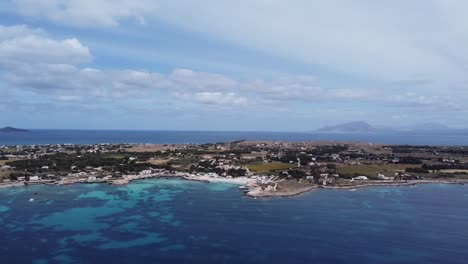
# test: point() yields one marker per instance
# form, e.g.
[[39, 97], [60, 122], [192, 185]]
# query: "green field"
[[3, 162], [264, 167], [373, 170], [116, 156], [454, 171]]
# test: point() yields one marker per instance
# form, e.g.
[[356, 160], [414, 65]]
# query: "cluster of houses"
[[233, 159]]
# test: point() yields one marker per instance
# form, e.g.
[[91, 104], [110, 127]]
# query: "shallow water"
[[175, 221]]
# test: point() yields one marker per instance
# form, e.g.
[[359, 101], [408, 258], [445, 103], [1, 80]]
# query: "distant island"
[[12, 129], [361, 127], [351, 127]]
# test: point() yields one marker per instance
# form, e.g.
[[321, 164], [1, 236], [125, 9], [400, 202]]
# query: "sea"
[[38, 136], [178, 221]]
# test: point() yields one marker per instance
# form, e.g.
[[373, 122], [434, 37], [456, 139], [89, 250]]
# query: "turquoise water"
[[175, 221]]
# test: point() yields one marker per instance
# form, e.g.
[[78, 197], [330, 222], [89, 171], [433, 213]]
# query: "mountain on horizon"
[[350, 127], [364, 127], [12, 129]]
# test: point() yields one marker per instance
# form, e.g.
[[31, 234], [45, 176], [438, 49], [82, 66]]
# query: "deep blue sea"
[[176, 221], [163, 137]]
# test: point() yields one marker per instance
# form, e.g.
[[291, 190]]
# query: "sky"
[[232, 65]]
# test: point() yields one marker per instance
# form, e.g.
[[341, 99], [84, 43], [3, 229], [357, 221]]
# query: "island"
[[12, 129], [351, 127], [260, 168]]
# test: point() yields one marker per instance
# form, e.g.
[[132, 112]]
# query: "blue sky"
[[232, 65]]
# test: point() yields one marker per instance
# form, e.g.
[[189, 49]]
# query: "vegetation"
[[265, 167], [62, 162], [373, 170]]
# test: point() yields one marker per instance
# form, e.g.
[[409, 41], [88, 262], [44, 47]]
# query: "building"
[[361, 178], [145, 172], [91, 179], [34, 178], [382, 177]]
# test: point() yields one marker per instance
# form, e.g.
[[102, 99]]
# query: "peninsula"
[[260, 168]]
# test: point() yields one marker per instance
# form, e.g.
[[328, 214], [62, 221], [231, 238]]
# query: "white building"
[[361, 178], [145, 172], [212, 174], [382, 177], [91, 179], [34, 178]]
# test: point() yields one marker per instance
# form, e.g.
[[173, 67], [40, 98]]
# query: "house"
[[361, 178], [406, 177], [324, 179], [382, 177], [145, 172], [212, 174], [34, 178], [91, 179]]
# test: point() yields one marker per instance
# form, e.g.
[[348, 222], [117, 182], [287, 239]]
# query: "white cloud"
[[51, 69], [87, 13], [202, 81], [214, 98], [22, 44], [392, 40]]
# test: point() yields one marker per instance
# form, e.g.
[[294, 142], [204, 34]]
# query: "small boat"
[[31, 199]]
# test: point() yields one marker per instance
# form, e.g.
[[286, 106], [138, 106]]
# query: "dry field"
[[264, 167], [373, 170]]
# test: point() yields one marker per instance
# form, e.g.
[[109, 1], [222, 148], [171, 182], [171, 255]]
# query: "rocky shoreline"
[[396, 184], [251, 187], [258, 193]]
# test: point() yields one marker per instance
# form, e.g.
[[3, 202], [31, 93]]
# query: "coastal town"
[[260, 168]]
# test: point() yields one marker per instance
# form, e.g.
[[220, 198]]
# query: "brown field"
[[4, 173], [373, 170], [2, 162], [158, 161], [264, 167], [454, 171]]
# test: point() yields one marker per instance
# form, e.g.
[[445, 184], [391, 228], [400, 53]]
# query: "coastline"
[[258, 193], [250, 186], [396, 184]]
